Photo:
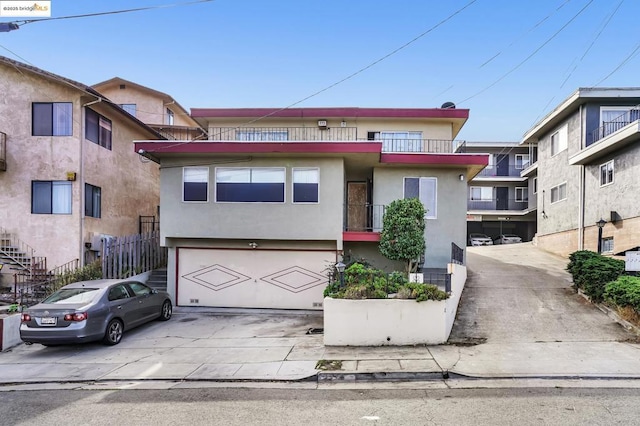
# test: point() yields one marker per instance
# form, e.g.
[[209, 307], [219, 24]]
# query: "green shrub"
[[576, 260], [421, 292], [596, 273], [625, 291]]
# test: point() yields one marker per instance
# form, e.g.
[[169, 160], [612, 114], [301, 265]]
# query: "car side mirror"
[[154, 291]]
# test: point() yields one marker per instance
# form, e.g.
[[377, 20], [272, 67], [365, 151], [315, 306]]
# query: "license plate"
[[48, 321]]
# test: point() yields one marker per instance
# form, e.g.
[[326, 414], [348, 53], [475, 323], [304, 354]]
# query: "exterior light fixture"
[[461, 177], [340, 268], [600, 225]]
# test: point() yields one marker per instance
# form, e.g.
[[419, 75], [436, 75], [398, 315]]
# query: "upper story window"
[[305, 185], [98, 128], [559, 140], [522, 161], [522, 193], [398, 141], [481, 193], [51, 197], [92, 201], [535, 185], [195, 184], [606, 173], [559, 193], [607, 245], [130, 108], [426, 190], [250, 185], [52, 119], [170, 117], [262, 135]]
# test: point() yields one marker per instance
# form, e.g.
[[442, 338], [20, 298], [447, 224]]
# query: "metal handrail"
[[609, 127]]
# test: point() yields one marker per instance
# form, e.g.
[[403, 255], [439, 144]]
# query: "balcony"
[[332, 134], [497, 205], [510, 171], [3, 152], [181, 133], [610, 127], [363, 222]]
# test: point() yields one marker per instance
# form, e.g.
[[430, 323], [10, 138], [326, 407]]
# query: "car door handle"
[[119, 306]]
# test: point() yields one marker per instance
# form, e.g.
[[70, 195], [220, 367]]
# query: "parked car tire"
[[113, 334], [166, 311]]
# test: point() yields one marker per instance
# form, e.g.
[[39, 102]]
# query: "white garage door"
[[275, 279]]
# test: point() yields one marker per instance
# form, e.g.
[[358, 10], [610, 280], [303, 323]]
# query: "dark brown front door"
[[356, 206]]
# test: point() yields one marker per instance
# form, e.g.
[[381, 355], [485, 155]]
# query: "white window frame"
[[423, 182], [607, 245], [293, 182], [524, 161], [557, 188], [194, 168], [562, 135], [482, 190], [170, 117], [520, 191], [535, 185], [619, 110], [606, 167]]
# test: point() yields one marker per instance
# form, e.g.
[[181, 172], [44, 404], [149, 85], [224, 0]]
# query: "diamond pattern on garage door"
[[295, 279], [216, 277]]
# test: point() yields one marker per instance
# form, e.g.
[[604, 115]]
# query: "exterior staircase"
[[14, 253], [158, 279]]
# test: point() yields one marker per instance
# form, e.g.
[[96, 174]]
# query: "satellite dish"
[[448, 105]]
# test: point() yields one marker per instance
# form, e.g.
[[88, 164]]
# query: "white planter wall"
[[396, 322], [9, 331]]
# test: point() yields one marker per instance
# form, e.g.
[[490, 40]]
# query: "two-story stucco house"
[[587, 171], [69, 173], [500, 200], [256, 215]]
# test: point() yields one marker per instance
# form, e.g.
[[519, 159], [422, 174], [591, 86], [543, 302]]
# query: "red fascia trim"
[[258, 147], [455, 159], [344, 112], [360, 236]]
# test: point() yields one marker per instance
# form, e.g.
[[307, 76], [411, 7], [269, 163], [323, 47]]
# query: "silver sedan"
[[93, 310]]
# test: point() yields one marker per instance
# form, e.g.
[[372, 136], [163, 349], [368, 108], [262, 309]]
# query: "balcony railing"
[[510, 171], [180, 133], [3, 152], [332, 134], [609, 127], [496, 205], [363, 217]]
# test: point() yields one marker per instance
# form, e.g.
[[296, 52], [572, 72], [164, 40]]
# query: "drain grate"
[[315, 331]]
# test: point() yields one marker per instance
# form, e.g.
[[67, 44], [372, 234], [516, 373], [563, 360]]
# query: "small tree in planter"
[[402, 236]]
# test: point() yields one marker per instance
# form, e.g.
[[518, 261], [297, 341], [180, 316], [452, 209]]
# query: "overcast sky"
[[510, 62]]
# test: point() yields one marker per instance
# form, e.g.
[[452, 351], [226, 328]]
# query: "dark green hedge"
[[625, 291], [591, 272]]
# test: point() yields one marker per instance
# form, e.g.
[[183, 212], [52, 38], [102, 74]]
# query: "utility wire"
[[623, 63]]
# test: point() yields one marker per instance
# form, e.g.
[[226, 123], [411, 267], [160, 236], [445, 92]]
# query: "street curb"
[[612, 314], [381, 376]]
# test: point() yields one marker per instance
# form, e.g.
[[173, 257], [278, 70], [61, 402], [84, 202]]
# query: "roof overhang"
[[613, 142]]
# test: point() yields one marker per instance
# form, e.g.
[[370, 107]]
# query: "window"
[[195, 184], [535, 185], [250, 185], [305, 185], [558, 193], [400, 141], [522, 161], [559, 140], [52, 119], [139, 289], [607, 245], [262, 135], [169, 117], [426, 189], [92, 201], [481, 193], [50, 197], [118, 292], [606, 173], [522, 194], [98, 129], [130, 108]]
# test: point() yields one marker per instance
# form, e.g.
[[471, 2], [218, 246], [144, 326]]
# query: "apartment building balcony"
[[508, 173], [499, 205], [333, 134], [609, 142], [182, 133], [3, 151], [363, 222]]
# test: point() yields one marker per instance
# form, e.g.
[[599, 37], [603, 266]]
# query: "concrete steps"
[[158, 279]]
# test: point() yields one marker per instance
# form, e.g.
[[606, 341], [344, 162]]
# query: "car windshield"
[[72, 295], [511, 236]]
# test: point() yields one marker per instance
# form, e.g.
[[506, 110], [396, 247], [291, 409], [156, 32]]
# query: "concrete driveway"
[[520, 294]]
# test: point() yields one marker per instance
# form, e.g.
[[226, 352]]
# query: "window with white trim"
[[195, 184], [522, 161], [426, 190], [606, 173], [51, 119], [250, 185], [535, 185], [558, 193], [607, 245], [398, 141], [170, 117], [559, 140], [522, 193], [305, 185], [130, 108], [51, 197], [481, 193]]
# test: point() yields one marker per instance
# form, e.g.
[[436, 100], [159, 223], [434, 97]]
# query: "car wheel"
[[166, 311], [113, 335]]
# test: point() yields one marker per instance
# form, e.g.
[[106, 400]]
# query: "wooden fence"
[[123, 257]]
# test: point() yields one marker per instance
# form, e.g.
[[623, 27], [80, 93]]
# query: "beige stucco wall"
[[277, 221], [129, 187]]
